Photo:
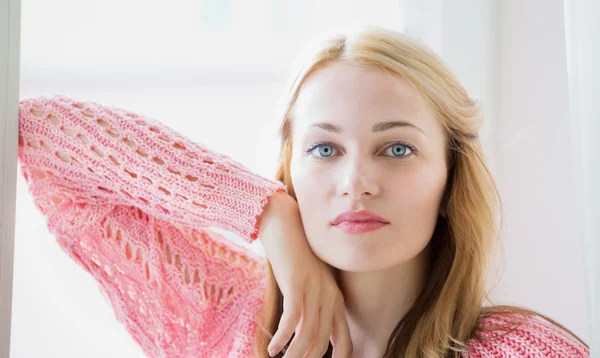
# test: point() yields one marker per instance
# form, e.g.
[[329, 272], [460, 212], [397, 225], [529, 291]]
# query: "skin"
[[379, 272]]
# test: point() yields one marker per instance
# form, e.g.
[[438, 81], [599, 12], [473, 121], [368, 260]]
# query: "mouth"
[[358, 217], [359, 227]]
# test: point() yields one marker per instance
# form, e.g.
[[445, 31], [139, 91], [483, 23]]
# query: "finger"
[[321, 344], [340, 333], [307, 331], [292, 311]]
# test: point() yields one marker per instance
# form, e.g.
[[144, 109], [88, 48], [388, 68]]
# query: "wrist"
[[279, 202], [279, 206]]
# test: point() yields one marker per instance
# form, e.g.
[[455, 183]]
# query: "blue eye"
[[325, 150], [399, 150]]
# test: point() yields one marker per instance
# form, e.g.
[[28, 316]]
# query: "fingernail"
[[273, 351]]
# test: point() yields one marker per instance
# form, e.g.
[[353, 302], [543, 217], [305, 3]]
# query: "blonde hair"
[[448, 311]]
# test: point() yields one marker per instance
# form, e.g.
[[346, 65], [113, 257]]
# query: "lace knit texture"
[[132, 201]]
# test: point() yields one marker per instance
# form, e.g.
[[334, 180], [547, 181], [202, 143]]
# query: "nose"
[[359, 180]]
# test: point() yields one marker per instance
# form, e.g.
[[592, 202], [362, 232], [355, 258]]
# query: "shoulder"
[[523, 335]]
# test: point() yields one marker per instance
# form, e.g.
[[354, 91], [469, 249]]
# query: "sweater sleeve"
[[131, 200], [533, 337], [112, 155]]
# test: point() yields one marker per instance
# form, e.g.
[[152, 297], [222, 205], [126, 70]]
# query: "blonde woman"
[[376, 229]]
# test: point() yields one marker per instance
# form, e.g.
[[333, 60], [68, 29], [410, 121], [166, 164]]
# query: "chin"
[[363, 266], [346, 260], [354, 253]]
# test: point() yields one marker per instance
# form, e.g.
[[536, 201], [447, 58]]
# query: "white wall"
[[583, 56], [511, 54], [544, 262]]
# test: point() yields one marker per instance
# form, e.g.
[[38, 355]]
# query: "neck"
[[376, 301]]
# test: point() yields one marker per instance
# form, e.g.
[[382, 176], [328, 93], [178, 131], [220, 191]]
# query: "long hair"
[[450, 307]]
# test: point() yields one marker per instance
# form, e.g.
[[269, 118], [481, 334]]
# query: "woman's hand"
[[313, 305]]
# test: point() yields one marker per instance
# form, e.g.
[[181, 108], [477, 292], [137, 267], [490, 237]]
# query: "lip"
[[358, 217], [359, 227]]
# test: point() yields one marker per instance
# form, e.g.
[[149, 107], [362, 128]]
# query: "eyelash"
[[321, 144]]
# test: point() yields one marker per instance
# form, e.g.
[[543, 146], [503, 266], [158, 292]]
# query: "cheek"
[[417, 193], [313, 191], [310, 189], [310, 179]]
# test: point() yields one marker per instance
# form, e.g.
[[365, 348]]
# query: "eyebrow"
[[377, 127]]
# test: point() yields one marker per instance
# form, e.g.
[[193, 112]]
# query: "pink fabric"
[[536, 337], [131, 200]]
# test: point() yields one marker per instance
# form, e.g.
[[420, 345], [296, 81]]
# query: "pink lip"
[[363, 215], [359, 222], [359, 227]]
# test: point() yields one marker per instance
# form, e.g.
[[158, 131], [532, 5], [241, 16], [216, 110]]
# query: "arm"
[[128, 199], [111, 155]]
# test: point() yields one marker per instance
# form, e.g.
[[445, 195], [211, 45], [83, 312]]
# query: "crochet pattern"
[[130, 201]]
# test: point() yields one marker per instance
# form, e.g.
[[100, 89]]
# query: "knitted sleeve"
[[534, 338], [116, 156], [131, 200]]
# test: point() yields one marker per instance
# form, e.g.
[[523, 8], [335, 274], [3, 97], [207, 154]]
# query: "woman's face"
[[357, 161]]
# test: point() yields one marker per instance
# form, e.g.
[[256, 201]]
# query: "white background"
[[216, 70]]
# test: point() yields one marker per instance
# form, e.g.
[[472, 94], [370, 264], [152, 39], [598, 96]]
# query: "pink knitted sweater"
[[131, 201]]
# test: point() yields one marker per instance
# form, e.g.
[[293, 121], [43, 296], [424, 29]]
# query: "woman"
[[376, 231]]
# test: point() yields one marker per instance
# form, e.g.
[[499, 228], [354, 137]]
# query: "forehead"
[[351, 95]]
